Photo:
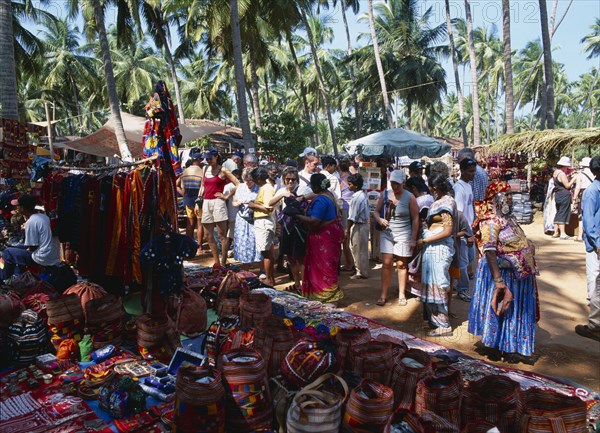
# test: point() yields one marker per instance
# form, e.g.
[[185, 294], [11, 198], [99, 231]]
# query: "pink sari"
[[323, 247]]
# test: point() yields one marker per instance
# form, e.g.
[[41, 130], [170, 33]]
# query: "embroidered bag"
[[369, 407], [65, 319], [408, 370], [308, 360], [496, 399], [404, 420], [550, 412], [248, 398], [105, 320], [11, 308], [372, 360], [188, 312], [273, 340], [199, 401], [347, 337], [432, 422], [317, 408], [27, 338], [217, 335], [156, 338], [441, 395], [254, 308]]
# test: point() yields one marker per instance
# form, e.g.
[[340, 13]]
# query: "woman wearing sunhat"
[[584, 178], [562, 197]]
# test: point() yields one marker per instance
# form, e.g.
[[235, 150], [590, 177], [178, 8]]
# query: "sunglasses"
[[291, 179]]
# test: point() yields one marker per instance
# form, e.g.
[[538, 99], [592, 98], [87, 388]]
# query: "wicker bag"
[[373, 360], [308, 360], [156, 338], [432, 422], [86, 291], [369, 408], [317, 409], [254, 308], [347, 337], [403, 420], [199, 401], [188, 312], [408, 370], [496, 399], [551, 412], [248, 398], [273, 340], [441, 395]]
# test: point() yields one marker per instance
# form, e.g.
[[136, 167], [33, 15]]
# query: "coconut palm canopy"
[[397, 142], [547, 141]]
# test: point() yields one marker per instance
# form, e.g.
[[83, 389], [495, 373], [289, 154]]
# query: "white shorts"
[[387, 245], [214, 211], [264, 233]]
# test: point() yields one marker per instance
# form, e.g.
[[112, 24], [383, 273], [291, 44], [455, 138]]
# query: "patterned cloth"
[[244, 245], [479, 183]]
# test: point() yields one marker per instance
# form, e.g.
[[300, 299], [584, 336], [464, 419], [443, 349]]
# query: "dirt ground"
[[559, 351]]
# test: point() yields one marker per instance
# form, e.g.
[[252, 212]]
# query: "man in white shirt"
[[330, 172], [358, 227], [311, 166], [234, 161], [585, 177], [40, 246], [463, 195]]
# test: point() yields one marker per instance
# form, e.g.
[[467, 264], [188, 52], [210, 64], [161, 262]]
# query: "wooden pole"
[[49, 131]]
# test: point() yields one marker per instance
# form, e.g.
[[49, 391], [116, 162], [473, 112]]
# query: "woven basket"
[[86, 291], [273, 340], [228, 295], [441, 395], [254, 308], [64, 309], [432, 422], [199, 401], [156, 337], [369, 407], [408, 418], [405, 377], [347, 337], [480, 427], [551, 412], [373, 360]]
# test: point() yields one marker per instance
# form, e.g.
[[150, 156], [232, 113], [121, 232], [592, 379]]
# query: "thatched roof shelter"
[[548, 141]]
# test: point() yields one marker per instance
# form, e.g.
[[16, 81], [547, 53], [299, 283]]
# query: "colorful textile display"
[[105, 320], [65, 319], [156, 338], [217, 336]]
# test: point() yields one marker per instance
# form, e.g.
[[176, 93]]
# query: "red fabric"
[[214, 185]]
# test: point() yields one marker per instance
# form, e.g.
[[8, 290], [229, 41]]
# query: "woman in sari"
[[504, 307], [324, 243], [438, 254]]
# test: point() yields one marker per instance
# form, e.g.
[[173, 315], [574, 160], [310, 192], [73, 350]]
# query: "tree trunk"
[[351, 71], [9, 100], [384, 94], [315, 56], [509, 99], [548, 73], [461, 102], [408, 114], [268, 94], [301, 81], [473, 62], [110, 83], [255, 100], [240, 83], [171, 63]]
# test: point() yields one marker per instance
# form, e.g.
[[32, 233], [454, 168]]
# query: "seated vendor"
[[40, 246]]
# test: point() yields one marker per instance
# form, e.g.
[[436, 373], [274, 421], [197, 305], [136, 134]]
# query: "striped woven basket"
[[373, 360], [403, 419], [254, 308], [432, 422], [441, 395], [551, 412], [347, 337], [369, 408], [273, 340], [408, 370], [64, 309], [228, 295], [199, 401], [495, 399], [481, 427], [248, 402], [86, 291], [156, 337]]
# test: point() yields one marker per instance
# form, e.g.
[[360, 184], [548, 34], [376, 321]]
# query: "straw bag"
[[495, 399], [347, 337], [369, 407], [308, 360], [551, 412], [156, 338], [86, 291], [408, 370], [403, 420], [254, 308], [317, 410], [199, 401], [432, 422], [248, 398], [273, 340], [188, 312], [372, 360], [441, 395]]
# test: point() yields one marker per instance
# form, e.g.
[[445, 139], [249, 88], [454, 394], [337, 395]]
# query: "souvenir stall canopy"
[[549, 141], [397, 142]]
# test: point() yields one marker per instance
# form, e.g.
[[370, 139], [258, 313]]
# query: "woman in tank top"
[[562, 197]]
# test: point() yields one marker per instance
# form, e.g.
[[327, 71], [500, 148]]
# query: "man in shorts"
[[188, 186], [264, 221]]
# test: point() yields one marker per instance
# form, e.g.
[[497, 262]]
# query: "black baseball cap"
[[416, 165]]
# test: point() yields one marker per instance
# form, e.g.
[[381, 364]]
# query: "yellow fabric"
[[265, 194]]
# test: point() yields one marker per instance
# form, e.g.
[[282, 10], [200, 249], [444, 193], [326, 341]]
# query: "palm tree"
[[475, 89], [9, 105], [509, 100], [355, 6], [547, 118], [384, 93], [592, 41], [460, 98]]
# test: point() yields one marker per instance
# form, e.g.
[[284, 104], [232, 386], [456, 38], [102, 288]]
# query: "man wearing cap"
[[234, 161], [40, 246], [311, 166], [188, 186], [584, 178], [591, 237], [480, 180], [415, 169]]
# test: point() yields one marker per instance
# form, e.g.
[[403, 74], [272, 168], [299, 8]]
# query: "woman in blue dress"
[[244, 246]]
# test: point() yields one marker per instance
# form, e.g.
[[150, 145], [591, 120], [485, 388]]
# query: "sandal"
[[440, 332], [381, 302], [402, 302], [357, 277], [565, 238]]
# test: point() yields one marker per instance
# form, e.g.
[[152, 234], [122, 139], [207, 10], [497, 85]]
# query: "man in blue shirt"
[[590, 204]]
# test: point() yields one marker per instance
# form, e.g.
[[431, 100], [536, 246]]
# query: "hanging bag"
[[408, 370], [316, 409], [369, 408], [550, 412], [228, 295], [188, 312], [441, 395]]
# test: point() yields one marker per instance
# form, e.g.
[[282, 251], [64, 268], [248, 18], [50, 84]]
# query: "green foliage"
[[370, 123], [285, 135]]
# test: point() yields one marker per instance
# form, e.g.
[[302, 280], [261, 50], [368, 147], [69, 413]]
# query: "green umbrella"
[[397, 142]]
